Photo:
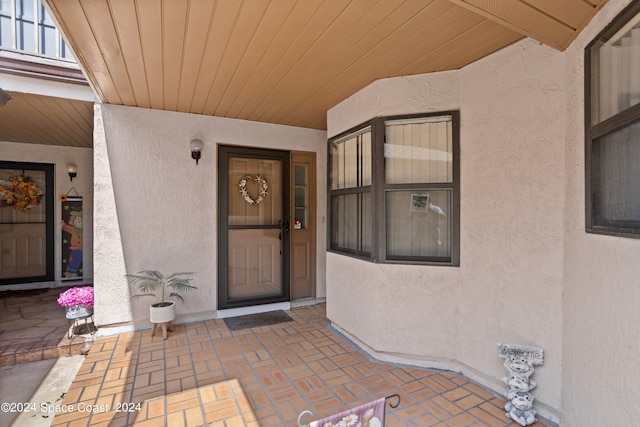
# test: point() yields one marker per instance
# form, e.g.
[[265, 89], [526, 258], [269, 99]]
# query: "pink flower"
[[76, 296]]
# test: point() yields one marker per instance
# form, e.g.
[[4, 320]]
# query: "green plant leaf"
[[154, 283]]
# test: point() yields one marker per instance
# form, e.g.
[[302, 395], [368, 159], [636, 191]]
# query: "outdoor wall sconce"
[[72, 170], [4, 97], [196, 149]]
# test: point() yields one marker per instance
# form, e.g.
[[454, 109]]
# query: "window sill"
[[615, 232], [396, 261]]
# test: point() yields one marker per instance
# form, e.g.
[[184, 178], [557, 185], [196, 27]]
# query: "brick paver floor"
[[203, 374], [34, 327]]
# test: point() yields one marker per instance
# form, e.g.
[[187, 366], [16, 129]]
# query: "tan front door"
[[253, 227], [303, 227]]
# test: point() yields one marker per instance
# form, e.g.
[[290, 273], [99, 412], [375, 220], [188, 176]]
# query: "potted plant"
[[78, 303], [152, 283]]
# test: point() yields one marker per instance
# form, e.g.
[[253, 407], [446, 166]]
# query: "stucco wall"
[[158, 209], [601, 333], [83, 183], [508, 287], [512, 196], [529, 272]]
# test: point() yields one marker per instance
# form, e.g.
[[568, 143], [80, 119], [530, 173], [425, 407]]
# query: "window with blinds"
[[418, 157], [612, 149], [351, 192], [394, 191]]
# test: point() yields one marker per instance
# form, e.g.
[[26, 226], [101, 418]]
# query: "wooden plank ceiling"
[[41, 119], [47, 120], [289, 61]]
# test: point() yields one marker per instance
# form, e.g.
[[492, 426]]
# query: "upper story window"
[[25, 25], [394, 190], [612, 95]]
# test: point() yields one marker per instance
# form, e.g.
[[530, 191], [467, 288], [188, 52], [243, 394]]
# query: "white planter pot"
[[161, 314]]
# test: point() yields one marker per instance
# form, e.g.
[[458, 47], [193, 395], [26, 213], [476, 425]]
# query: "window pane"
[[300, 196], [65, 52], [5, 6], [45, 18], [419, 150], [300, 175], [25, 37], [616, 175], [36, 213], [255, 266], [351, 161], [351, 222], [47, 41], [300, 218], [250, 203], [418, 223], [24, 9], [618, 62], [5, 32]]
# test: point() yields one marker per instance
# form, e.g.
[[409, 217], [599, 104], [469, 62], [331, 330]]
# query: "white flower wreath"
[[262, 184]]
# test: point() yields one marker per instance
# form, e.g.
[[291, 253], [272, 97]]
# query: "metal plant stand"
[[77, 313]]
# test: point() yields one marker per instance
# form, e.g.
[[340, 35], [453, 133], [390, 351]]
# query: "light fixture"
[[72, 170], [4, 97], [196, 149]]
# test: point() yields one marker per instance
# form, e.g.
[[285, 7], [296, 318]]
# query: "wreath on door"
[[262, 185], [20, 192]]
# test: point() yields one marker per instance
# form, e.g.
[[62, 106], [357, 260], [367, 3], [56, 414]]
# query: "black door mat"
[[257, 320]]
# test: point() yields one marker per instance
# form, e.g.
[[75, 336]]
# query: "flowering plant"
[[76, 296]]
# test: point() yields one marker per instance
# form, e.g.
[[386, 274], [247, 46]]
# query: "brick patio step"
[[34, 327], [33, 351]]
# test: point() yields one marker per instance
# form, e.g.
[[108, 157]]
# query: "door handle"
[[284, 224]]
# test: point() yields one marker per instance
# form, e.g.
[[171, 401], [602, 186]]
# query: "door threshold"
[[304, 302], [254, 309]]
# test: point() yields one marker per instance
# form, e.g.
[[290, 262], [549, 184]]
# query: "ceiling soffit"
[[289, 61], [552, 22], [47, 120]]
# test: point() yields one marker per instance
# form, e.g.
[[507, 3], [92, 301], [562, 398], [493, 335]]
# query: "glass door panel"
[[253, 227], [255, 263], [26, 223], [260, 206], [300, 197]]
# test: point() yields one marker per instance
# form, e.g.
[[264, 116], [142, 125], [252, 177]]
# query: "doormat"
[[257, 320]]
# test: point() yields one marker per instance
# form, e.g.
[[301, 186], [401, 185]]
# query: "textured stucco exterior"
[[529, 273], [83, 183], [158, 209], [601, 329], [508, 287]]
